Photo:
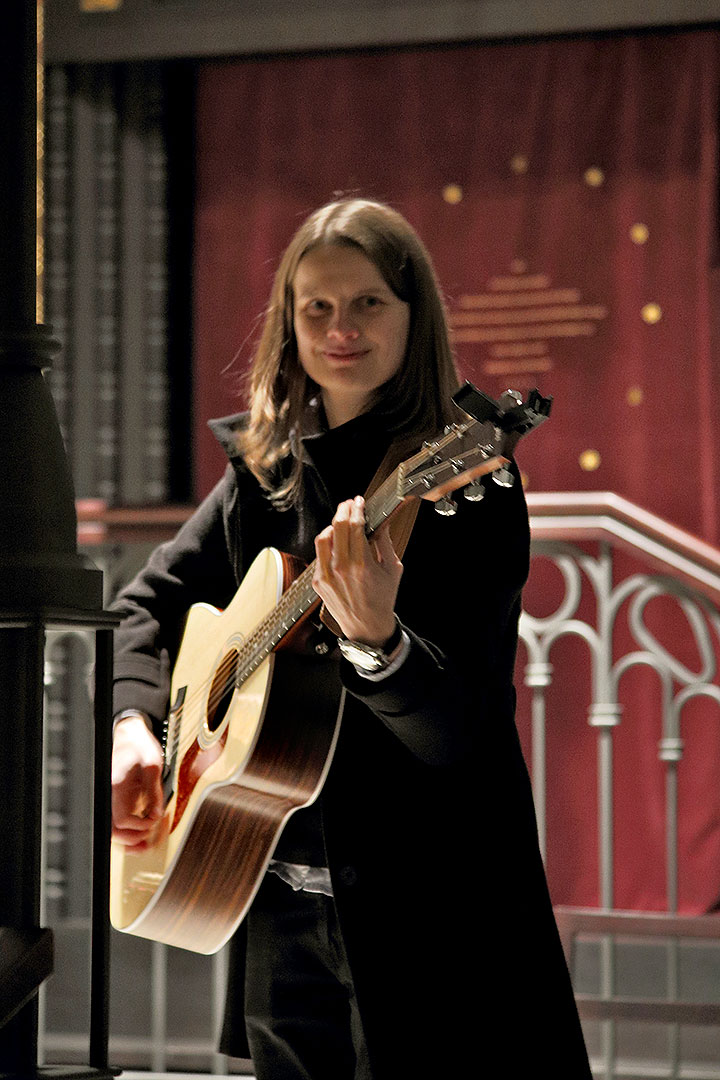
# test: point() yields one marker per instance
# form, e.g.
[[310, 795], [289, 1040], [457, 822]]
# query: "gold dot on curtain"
[[452, 193], [635, 395], [519, 164], [589, 460], [594, 177], [518, 266], [524, 480], [651, 314], [639, 233]]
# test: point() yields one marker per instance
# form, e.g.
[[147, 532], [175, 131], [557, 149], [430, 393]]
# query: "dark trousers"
[[301, 1015]]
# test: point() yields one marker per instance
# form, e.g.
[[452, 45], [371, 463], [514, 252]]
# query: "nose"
[[341, 326]]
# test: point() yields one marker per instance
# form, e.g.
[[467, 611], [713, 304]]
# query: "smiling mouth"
[[343, 357]]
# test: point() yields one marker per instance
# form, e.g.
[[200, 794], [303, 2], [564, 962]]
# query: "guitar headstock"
[[478, 444]]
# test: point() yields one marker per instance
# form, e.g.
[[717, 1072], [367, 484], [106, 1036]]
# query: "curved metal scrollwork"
[[679, 684]]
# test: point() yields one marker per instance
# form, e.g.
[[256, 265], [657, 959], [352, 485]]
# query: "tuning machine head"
[[475, 491], [503, 477], [446, 506]]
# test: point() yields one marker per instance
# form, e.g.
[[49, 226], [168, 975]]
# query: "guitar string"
[[297, 599]]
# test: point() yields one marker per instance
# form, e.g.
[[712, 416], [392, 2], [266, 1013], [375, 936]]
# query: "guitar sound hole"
[[221, 691]]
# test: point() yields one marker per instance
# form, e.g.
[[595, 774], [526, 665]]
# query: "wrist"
[[393, 642], [127, 715], [381, 638], [366, 657]]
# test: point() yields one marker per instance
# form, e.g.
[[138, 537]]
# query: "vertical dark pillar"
[[41, 573], [18, 113], [37, 510], [21, 666]]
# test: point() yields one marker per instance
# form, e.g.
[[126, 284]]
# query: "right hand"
[[137, 796]]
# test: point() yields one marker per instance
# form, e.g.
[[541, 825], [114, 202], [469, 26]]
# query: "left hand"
[[357, 578]]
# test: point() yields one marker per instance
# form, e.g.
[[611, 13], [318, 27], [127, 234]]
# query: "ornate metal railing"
[[586, 536], [684, 568]]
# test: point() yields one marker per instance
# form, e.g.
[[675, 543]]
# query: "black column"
[[41, 573], [21, 669]]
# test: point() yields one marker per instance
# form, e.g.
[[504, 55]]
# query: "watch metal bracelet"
[[368, 657]]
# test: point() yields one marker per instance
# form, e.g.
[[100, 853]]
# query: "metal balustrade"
[[581, 535]]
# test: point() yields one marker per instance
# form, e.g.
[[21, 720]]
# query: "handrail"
[[558, 515], [604, 516], [99, 523]]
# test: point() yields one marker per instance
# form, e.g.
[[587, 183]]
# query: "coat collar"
[[226, 429]]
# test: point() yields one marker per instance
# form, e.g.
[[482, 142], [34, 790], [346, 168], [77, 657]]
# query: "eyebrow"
[[312, 288]]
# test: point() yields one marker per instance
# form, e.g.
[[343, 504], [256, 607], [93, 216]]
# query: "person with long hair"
[[403, 927]]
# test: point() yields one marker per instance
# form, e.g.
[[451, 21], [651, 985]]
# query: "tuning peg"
[[446, 506], [510, 399], [503, 477], [475, 492]]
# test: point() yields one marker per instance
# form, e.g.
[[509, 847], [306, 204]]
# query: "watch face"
[[362, 656]]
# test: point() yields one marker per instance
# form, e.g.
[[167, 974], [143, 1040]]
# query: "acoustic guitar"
[[237, 763]]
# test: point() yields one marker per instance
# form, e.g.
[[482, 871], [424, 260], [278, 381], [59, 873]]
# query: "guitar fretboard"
[[300, 596]]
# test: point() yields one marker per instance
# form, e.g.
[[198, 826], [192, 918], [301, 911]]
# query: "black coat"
[[427, 817]]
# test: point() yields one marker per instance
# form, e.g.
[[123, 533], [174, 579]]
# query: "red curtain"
[[567, 191]]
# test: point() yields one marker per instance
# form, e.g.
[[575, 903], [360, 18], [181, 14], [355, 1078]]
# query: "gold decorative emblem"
[[517, 316]]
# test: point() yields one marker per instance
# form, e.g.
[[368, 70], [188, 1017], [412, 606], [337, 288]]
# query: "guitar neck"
[[300, 598]]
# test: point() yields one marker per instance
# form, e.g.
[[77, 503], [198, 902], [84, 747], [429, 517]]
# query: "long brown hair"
[[416, 399]]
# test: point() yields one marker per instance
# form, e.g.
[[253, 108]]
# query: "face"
[[351, 328]]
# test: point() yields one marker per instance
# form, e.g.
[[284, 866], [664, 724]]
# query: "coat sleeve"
[[459, 602], [195, 566]]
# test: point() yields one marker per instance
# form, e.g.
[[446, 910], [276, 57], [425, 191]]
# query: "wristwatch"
[[367, 657]]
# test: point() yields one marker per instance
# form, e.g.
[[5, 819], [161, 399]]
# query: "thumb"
[[384, 546]]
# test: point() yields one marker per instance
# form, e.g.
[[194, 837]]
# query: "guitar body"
[[239, 761]]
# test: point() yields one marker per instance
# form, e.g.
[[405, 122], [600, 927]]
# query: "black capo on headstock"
[[509, 412]]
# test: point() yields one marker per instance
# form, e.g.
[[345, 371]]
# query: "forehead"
[[337, 268]]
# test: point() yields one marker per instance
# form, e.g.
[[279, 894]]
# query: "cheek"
[[303, 339], [401, 336]]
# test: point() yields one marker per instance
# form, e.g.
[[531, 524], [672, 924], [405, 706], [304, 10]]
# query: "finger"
[[149, 805], [134, 824], [131, 839], [358, 545], [137, 795], [323, 552], [341, 533], [384, 547]]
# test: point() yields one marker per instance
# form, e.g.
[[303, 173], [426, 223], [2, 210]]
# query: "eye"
[[317, 307], [371, 301]]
